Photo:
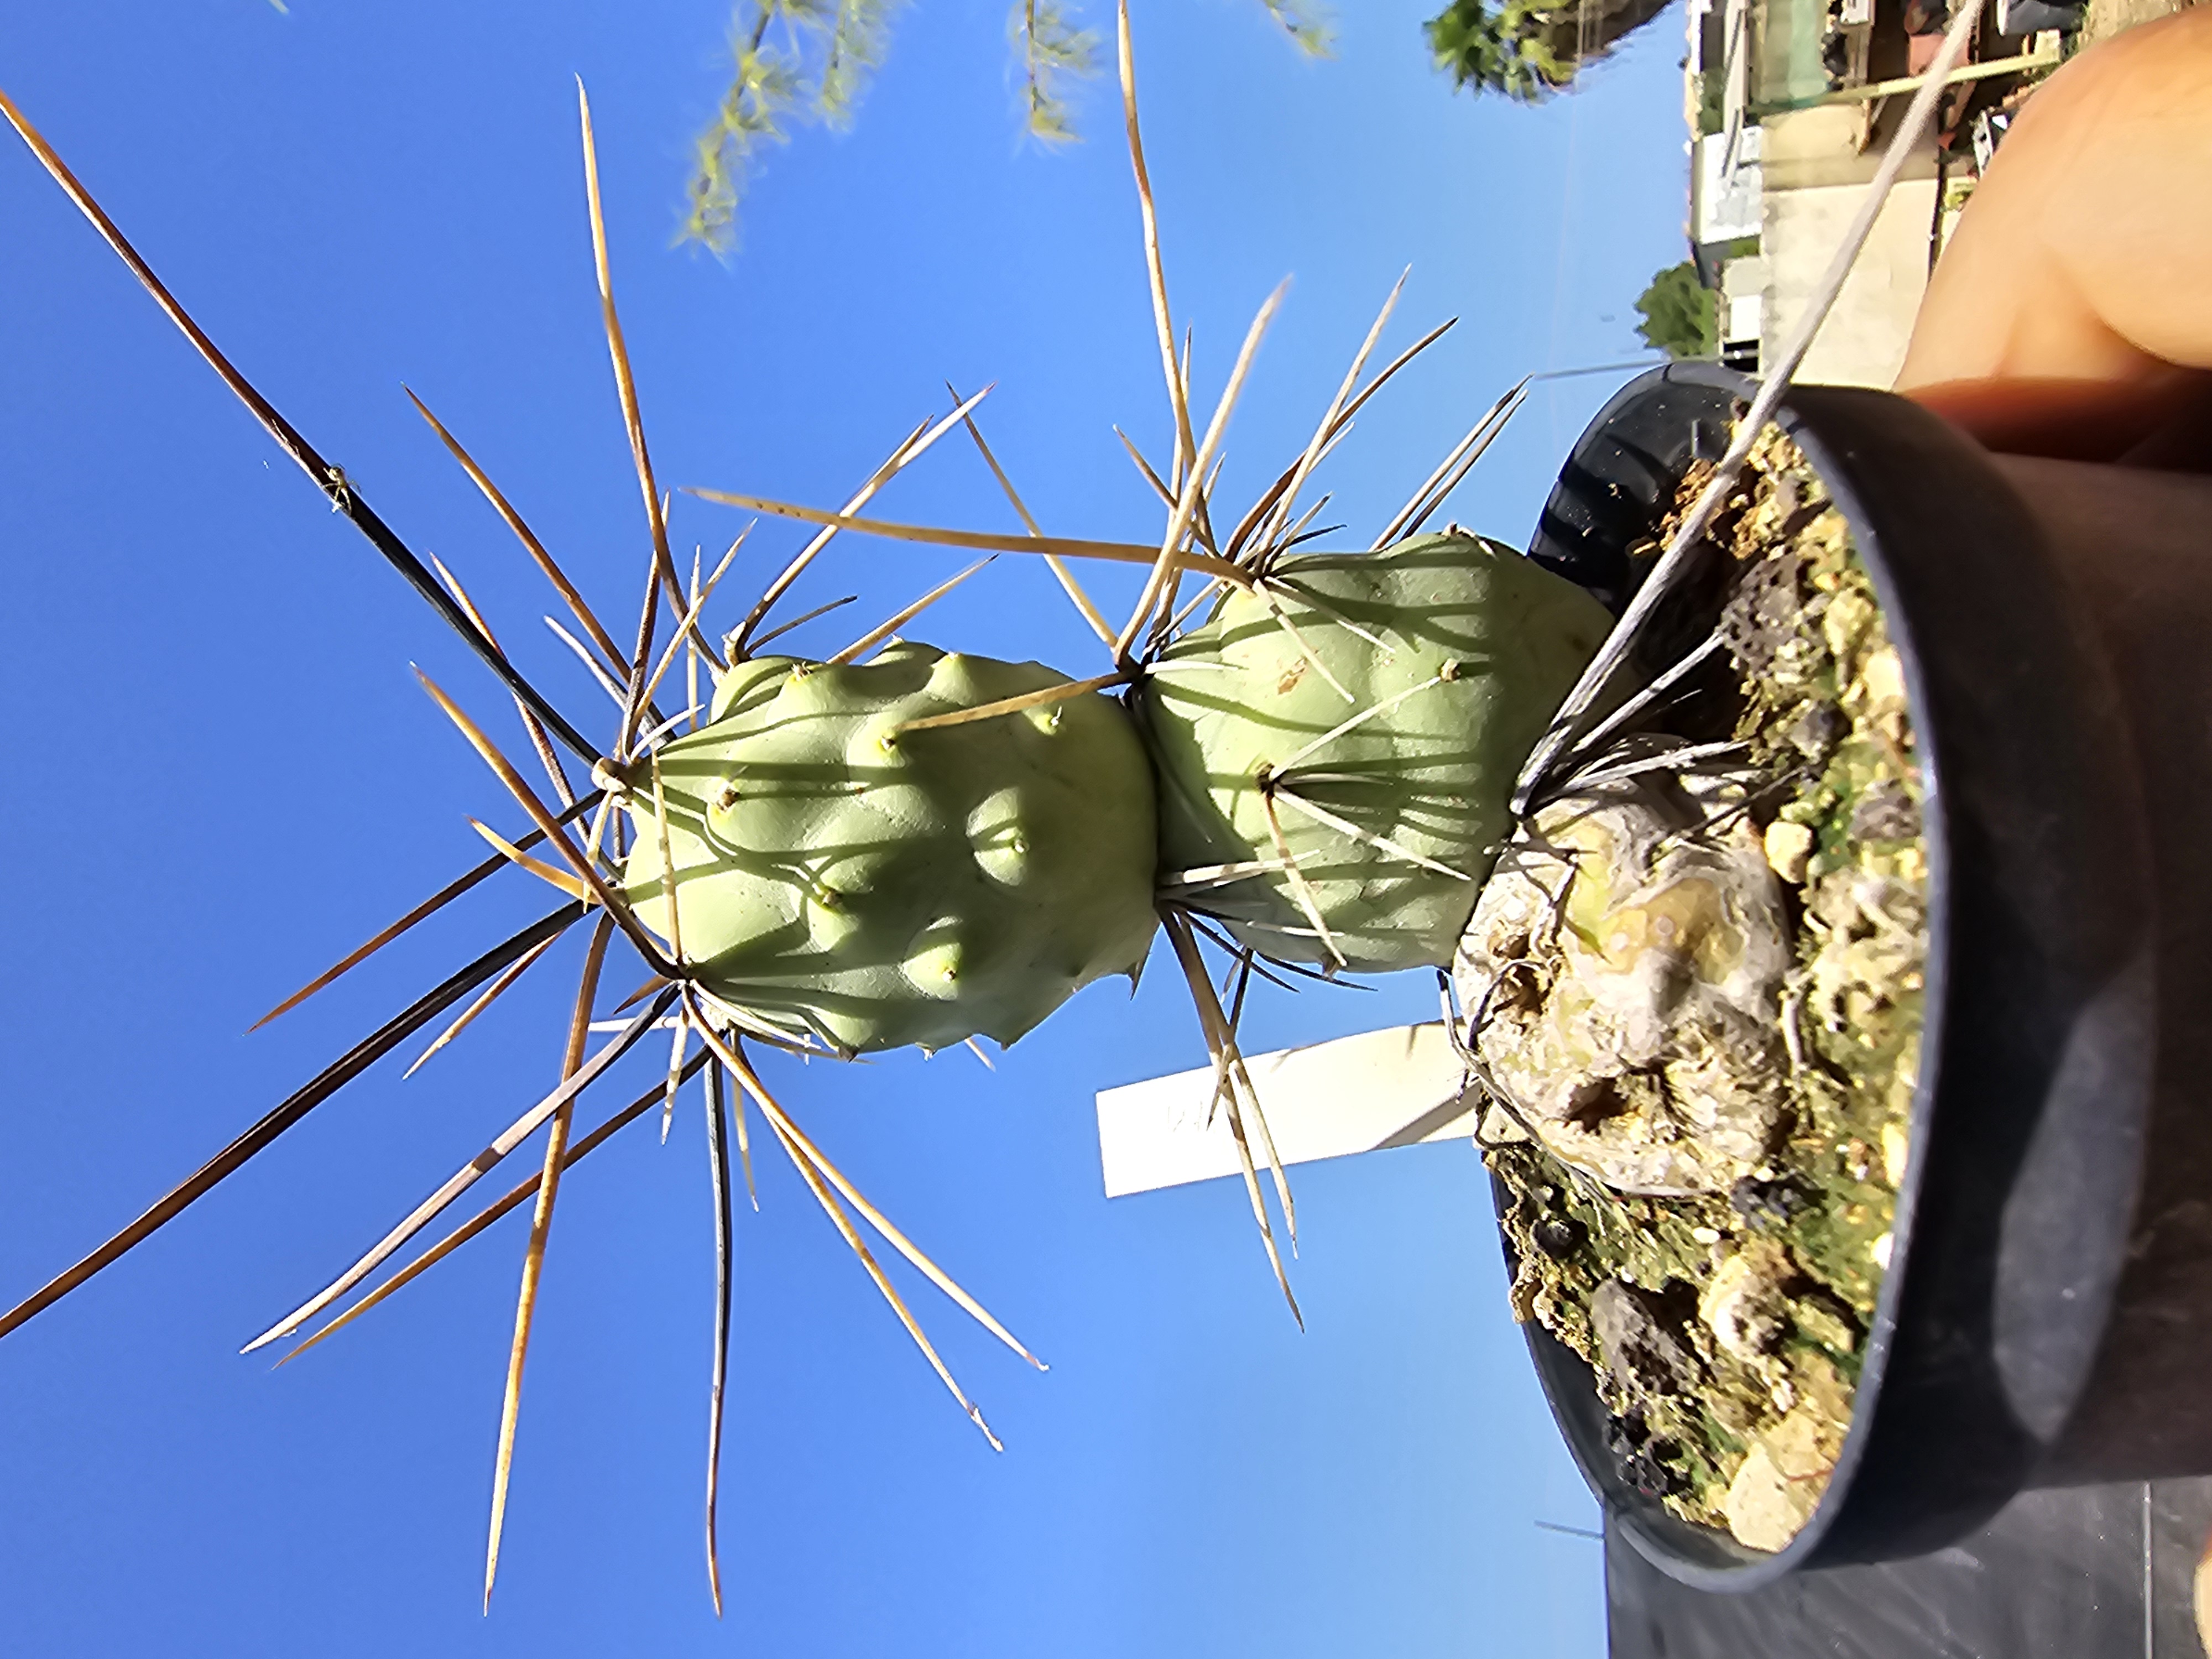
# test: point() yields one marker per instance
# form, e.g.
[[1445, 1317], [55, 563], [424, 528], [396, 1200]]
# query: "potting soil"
[[1703, 1211]]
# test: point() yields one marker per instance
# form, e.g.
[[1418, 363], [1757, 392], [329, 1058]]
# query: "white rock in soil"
[[1779, 1482], [1626, 988], [1896, 1144], [1789, 849], [1745, 1306]]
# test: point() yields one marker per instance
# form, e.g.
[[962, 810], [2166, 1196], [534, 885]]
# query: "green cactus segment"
[[1430, 773], [877, 888]]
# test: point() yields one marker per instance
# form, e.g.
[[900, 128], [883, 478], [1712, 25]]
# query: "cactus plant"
[[1358, 759], [899, 846], [849, 872]]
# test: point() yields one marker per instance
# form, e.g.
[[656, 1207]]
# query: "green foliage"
[[1051, 49], [1682, 315], [1712, 104], [858, 36], [1508, 50], [794, 60], [1307, 25], [810, 60]]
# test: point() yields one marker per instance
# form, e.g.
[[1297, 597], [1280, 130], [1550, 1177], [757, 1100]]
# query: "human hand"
[[2071, 313]]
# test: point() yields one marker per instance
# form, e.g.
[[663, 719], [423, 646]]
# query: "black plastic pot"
[[2046, 1319]]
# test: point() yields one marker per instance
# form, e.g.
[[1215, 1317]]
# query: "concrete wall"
[[1863, 342], [1816, 171]]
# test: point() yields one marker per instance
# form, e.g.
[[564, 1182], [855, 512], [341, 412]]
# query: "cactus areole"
[[840, 878], [1365, 722]]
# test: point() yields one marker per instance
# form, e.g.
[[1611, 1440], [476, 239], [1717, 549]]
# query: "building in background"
[[1790, 105]]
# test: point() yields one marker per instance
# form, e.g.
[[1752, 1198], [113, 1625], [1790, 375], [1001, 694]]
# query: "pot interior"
[[2013, 1218]]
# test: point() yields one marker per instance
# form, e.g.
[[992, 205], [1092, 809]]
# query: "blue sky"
[[223, 776]]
